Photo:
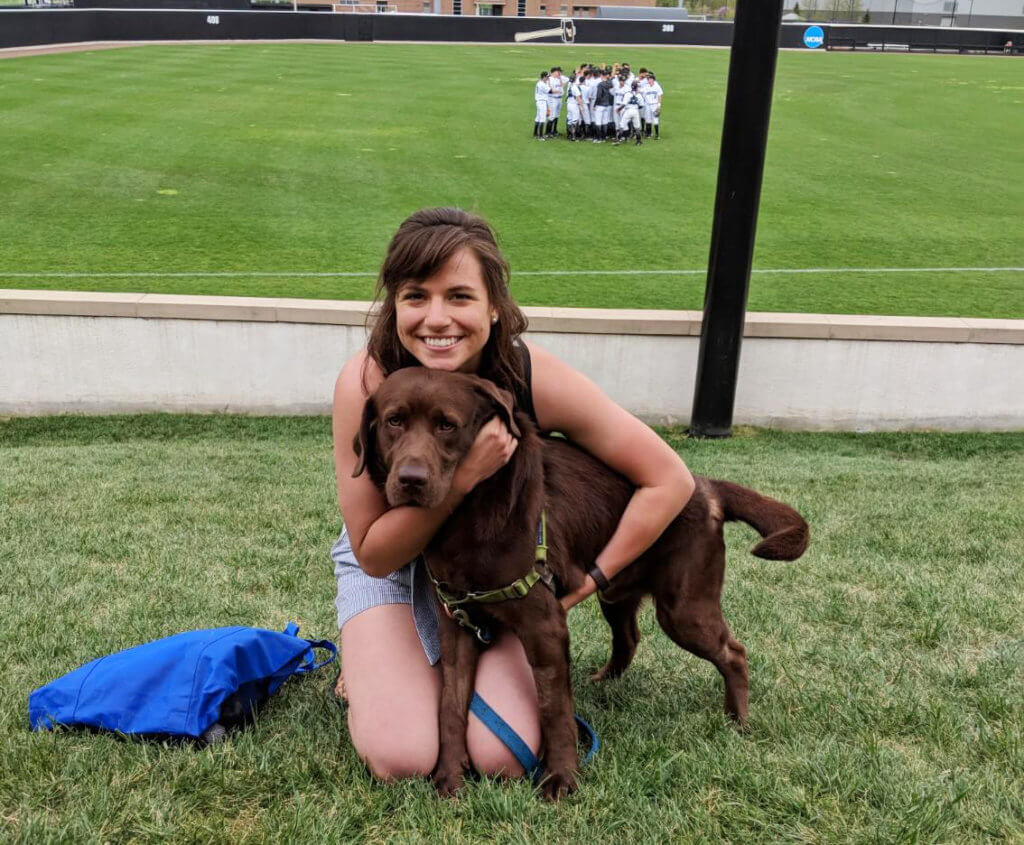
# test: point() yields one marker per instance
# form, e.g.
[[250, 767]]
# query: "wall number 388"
[[668, 27]]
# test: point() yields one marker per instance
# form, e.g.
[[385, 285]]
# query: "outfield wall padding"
[[209, 19], [21, 28], [136, 5]]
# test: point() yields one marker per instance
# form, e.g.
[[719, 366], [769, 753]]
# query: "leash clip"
[[461, 617]]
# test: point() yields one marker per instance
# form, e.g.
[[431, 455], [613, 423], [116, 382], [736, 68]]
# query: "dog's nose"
[[412, 475]]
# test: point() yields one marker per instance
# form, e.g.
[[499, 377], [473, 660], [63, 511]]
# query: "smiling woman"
[[445, 304]]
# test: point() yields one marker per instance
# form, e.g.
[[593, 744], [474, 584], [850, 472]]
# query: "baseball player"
[[652, 106], [574, 111], [556, 83], [632, 103], [589, 92], [540, 97], [584, 83], [603, 100], [641, 77], [619, 91]]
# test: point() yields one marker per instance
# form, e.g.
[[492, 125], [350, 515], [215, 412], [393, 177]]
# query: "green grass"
[[886, 665], [304, 158]]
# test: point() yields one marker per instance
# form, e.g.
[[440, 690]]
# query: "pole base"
[[709, 432]]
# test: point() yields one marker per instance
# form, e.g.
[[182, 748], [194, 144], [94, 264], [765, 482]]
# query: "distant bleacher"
[[364, 8], [947, 44]]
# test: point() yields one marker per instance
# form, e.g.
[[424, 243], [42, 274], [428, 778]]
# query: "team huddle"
[[601, 103]]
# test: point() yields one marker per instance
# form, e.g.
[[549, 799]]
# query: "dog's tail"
[[785, 532]]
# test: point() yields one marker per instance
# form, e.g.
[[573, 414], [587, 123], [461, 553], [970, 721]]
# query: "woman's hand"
[[584, 591], [491, 450]]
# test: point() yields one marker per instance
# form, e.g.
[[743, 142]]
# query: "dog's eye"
[[394, 421], [445, 425]]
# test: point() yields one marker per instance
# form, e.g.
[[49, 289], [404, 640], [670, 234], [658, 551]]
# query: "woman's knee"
[[505, 681], [393, 693], [396, 739], [398, 755], [489, 756]]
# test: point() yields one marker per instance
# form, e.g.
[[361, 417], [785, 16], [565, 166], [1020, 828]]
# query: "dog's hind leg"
[[621, 618], [700, 628]]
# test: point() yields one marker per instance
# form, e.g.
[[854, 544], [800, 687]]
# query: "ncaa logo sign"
[[814, 36]]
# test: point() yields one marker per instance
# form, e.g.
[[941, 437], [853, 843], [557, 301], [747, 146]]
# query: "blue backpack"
[[193, 684]]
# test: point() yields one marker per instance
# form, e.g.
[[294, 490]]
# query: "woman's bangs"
[[421, 256]]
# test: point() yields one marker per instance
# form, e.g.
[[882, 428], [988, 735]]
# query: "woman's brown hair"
[[422, 244]]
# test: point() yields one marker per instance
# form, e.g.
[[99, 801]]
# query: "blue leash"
[[512, 741], [520, 750]]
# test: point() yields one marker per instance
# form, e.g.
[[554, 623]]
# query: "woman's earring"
[[494, 319]]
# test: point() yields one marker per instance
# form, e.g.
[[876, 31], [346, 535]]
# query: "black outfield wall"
[[26, 27], [19, 28], [144, 5]]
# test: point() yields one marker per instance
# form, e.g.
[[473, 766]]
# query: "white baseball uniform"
[[540, 96], [618, 93], [631, 105], [555, 96], [589, 93], [652, 102], [573, 112]]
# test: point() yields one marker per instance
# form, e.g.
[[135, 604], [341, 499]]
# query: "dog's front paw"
[[448, 782], [556, 785]]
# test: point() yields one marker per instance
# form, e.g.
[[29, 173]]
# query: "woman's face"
[[445, 320]]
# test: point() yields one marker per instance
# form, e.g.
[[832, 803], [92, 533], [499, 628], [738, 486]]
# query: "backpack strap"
[[292, 630], [311, 665]]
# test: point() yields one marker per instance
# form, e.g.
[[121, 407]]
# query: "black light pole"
[[748, 100]]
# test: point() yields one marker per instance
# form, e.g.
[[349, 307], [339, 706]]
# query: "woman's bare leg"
[[393, 693], [393, 696], [505, 681]]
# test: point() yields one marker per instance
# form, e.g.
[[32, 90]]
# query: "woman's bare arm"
[[569, 402], [385, 539]]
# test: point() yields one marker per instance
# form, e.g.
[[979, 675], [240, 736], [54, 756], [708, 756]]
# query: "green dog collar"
[[518, 589]]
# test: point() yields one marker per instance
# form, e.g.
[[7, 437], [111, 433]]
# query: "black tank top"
[[524, 393]]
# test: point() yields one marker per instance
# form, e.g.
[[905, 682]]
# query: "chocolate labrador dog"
[[483, 560]]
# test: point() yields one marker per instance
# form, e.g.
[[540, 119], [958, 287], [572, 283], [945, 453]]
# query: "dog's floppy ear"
[[365, 441], [502, 401]]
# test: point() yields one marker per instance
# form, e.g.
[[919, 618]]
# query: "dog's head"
[[419, 425]]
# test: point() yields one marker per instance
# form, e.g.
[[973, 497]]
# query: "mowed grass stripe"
[[886, 671], [306, 157]]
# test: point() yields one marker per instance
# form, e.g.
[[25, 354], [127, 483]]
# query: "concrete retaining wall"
[[66, 352]]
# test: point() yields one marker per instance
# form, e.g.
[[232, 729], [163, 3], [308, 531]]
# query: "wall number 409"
[[214, 19]]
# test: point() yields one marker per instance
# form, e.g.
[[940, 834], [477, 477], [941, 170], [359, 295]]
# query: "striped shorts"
[[358, 591]]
